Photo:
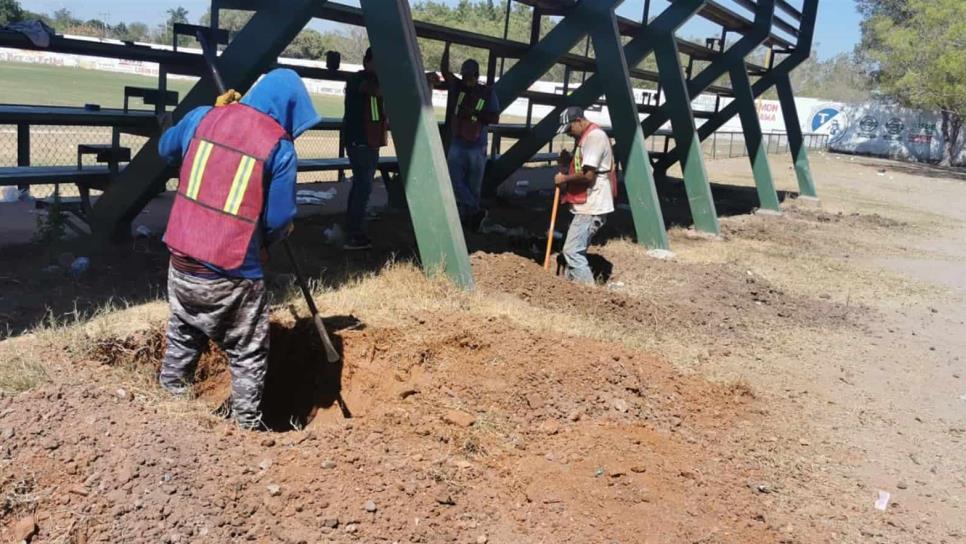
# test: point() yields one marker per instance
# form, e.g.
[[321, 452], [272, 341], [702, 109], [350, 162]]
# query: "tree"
[[137, 32], [307, 44], [178, 15], [64, 19], [229, 19], [10, 12], [918, 52]]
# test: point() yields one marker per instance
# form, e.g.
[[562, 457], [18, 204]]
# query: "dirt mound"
[[708, 297], [469, 426]]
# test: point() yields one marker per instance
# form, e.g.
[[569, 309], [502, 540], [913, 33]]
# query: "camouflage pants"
[[234, 314]]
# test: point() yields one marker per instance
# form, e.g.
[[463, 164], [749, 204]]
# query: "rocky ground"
[[767, 387]]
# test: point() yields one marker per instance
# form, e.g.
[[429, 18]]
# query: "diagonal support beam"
[[796, 141], [542, 56], [774, 78], [751, 126], [720, 66], [419, 147], [687, 143], [732, 61], [589, 92], [254, 50], [630, 148]]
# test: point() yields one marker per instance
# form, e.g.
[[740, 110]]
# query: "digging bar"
[[331, 354]]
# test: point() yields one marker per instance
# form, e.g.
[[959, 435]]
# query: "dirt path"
[[763, 388]]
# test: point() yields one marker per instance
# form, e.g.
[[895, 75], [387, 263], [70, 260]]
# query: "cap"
[[568, 116]]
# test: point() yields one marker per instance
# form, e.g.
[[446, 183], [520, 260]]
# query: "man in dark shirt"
[[364, 131], [476, 107]]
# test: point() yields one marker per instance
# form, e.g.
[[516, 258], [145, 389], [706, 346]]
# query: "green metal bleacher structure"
[[129, 182]]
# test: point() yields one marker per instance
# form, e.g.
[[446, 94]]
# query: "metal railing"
[[24, 145]]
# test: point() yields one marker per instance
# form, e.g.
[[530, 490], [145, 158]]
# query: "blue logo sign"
[[822, 117]]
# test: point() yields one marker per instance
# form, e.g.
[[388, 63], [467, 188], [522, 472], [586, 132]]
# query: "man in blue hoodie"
[[236, 196]]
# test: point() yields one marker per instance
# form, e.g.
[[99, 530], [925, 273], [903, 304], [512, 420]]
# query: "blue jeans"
[[581, 230], [466, 167], [363, 160]]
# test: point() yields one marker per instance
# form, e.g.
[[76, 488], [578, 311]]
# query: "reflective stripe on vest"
[[239, 185], [374, 106], [198, 169], [222, 189]]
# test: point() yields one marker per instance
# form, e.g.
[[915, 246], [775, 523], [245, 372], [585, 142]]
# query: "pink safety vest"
[[221, 191]]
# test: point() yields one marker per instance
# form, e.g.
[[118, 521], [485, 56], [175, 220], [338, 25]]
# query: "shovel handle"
[[553, 224], [330, 353]]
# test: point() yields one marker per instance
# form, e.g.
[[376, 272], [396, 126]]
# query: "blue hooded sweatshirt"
[[281, 95]]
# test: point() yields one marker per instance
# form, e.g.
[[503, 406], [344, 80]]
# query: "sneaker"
[[357, 243]]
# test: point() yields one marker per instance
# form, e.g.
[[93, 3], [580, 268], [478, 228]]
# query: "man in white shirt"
[[589, 186]]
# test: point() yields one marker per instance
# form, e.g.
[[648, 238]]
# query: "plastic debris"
[[143, 231], [79, 266], [306, 196], [521, 188], [9, 194], [882, 502], [333, 235]]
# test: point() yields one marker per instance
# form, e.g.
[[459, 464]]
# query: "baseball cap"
[[568, 116]]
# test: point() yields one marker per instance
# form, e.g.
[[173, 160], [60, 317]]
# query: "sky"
[[837, 30]]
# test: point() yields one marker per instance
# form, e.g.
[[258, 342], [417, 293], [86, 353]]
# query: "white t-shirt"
[[596, 153]]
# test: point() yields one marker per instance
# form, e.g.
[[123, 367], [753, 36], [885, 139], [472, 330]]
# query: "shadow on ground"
[[33, 289]]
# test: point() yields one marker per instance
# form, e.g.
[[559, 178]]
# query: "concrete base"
[[661, 254], [808, 201], [772, 213], [693, 234]]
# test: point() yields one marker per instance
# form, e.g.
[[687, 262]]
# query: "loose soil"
[[760, 388]]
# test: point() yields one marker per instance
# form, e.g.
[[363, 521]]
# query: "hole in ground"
[[299, 382]]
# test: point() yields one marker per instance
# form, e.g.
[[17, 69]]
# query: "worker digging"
[[236, 197]]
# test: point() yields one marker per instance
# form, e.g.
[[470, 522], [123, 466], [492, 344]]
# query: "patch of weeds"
[[20, 373], [17, 495], [52, 227]]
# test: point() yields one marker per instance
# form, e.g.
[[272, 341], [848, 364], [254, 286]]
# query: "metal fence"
[[57, 146], [727, 145]]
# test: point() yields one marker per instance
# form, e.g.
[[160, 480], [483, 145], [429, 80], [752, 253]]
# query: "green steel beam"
[[751, 126], [419, 147], [250, 54], [719, 66], [630, 148], [587, 94], [678, 104], [796, 143], [773, 78], [545, 53]]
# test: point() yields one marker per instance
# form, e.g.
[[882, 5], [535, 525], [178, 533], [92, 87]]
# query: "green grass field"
[[56, 86]]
